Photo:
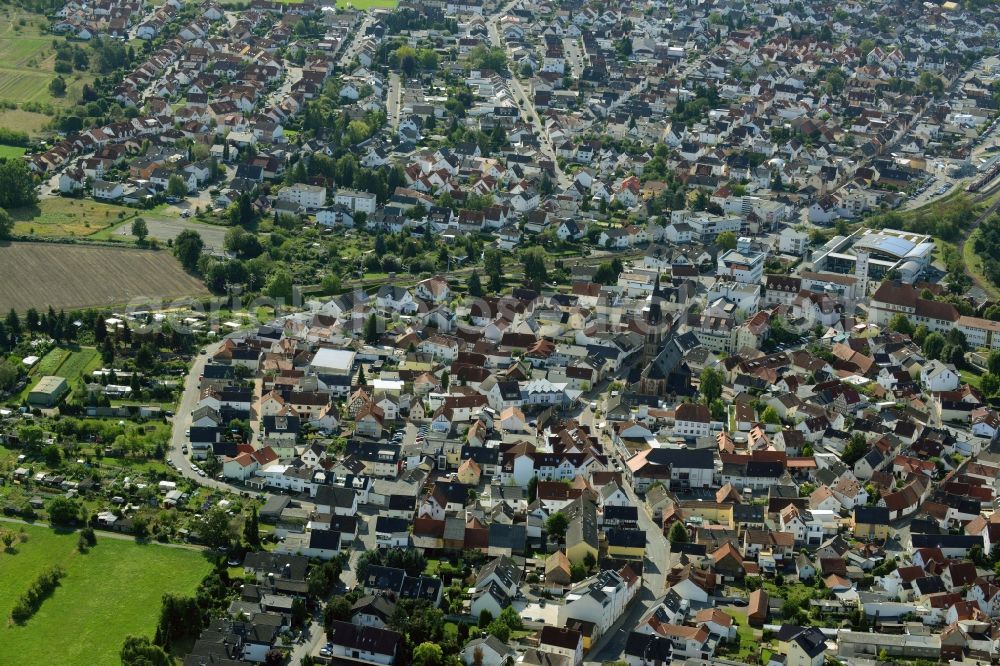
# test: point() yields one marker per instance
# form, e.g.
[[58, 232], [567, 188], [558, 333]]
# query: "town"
[[452, 332]]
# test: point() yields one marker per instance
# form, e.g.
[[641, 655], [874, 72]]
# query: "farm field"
[[59, 216], [40, 275], [110, 592], [10, 151], [23, 121]]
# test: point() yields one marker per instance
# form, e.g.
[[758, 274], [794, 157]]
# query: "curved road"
[[182, 421]]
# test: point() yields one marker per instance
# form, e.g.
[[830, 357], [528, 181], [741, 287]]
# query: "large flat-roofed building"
[[743, 264], [869, 254], [333, 362], [48, 391]]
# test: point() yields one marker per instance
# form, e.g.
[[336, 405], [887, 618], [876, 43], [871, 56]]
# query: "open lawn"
[[23, 121], [59, 216], [7, 152], [110, 592], [40, 275]]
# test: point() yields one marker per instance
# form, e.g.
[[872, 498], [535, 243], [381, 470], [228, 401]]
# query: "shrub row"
[[40, 589]]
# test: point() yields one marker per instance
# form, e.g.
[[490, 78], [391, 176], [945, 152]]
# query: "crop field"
[[40, 275], [59, 216], [108, 593]]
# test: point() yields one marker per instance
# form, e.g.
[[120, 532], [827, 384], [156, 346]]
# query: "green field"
[[51, 362], [367, 4], [27, 61], [23, 121], [59, 216], [110, 592], [9, 152]]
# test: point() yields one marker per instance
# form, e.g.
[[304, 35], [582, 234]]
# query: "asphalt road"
[[524, 100], [182, 421], [355, 45], [393, 102]]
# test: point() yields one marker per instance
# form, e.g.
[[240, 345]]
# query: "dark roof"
[[649, 648], [561, 637], [387, 525], [871, 515], [627, 538], [683, 458], [326, 539], [812, 641], [364, 639]]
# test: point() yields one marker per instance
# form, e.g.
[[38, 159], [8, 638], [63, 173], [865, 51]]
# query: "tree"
[[6, 225], [187, 248], [770, 415], [176, 187], [710, 385], [920, 334], [857, 446], [64, 511], [993, 362], [180, 617], [9, 374], [427, 654], [445, 380], [57, 87], [933, 346], [17, 185], [140, 651], [215, 528], [279, 286], [251, 529], [493, 266], [338, 609], [726, 240], [678, 533], [901, 324], [535, 272], [556, 526], [371, 330], [361, 376], [475, 286], [139, 229]]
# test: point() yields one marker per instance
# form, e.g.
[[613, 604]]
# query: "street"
[[393, 102], [182, 421], [525, 102], [351, 52], [610, 646]]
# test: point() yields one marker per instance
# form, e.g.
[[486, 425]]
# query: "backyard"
[[69, 362], [109, 592]]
